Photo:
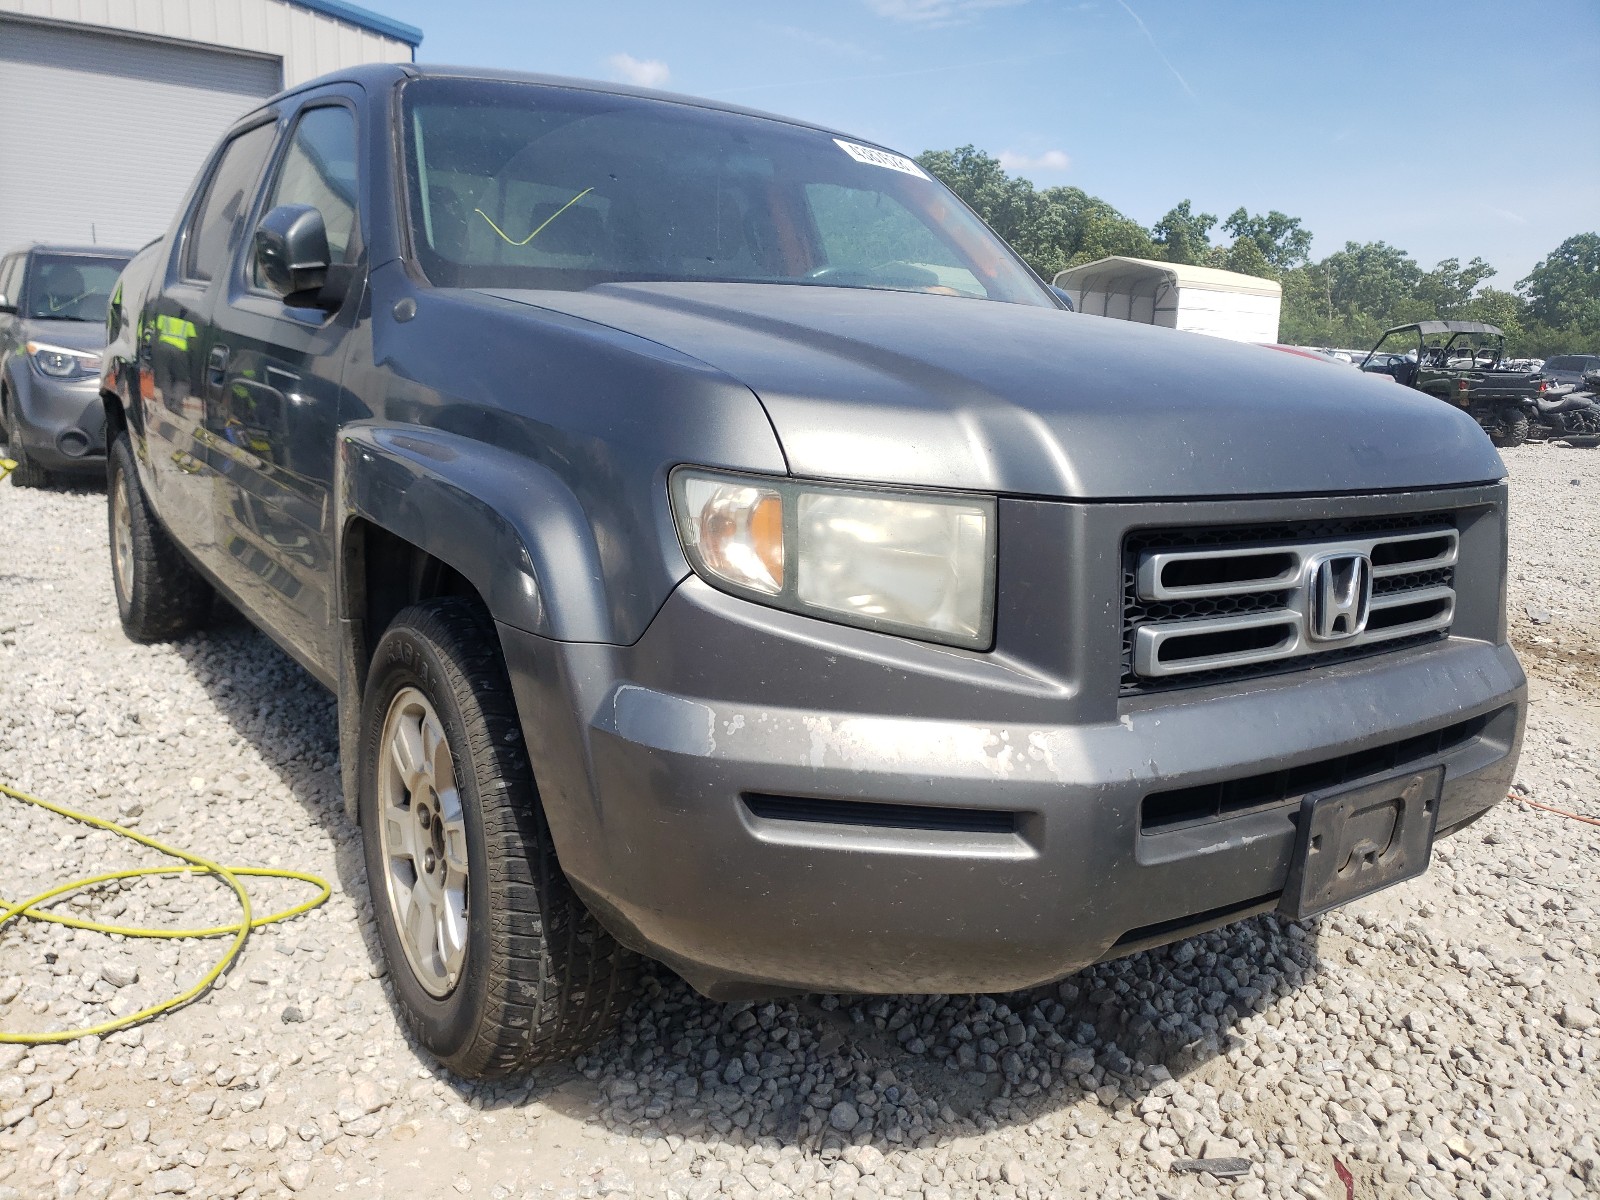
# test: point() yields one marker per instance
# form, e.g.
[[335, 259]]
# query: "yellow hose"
[[195, 865]]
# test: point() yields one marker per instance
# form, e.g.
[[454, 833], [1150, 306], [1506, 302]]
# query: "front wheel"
[[27, 473], [1513, 428], [496, 964]]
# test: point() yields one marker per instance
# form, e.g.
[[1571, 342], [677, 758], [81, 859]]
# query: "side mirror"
[[6, 304], [291, 250], [1064, 296]]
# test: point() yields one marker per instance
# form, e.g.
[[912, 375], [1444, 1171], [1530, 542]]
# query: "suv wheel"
[[496, 964], [159, 595], [27, 473]]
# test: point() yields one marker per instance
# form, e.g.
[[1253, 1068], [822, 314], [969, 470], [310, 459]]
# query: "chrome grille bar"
[[1288, 563], [1277, 578]]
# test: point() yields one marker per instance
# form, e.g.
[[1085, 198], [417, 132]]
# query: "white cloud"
[[936, 12], [641, 72], [1050, 160]]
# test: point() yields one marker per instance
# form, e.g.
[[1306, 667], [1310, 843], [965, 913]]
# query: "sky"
[[1449, 128]]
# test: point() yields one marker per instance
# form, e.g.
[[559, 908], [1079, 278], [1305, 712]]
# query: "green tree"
[[1507, 310], [1283, 242], [1563, 289], [1449, 286], [1091, 229], [1307, 313], [1369, 287], [1008, 206], [1183, 235], [1058, 227], [1347, 299], [1245, 257]]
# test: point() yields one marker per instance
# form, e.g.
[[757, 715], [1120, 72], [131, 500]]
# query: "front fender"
[[510, 526]]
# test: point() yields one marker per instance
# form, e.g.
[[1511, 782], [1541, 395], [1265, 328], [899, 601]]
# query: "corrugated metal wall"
[[106, 131], [110, 106], [308, 43]]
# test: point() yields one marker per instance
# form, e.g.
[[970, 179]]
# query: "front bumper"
[[768, 803], [61, 423]]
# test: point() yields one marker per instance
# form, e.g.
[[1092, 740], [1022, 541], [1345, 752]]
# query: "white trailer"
[[1177, 296]]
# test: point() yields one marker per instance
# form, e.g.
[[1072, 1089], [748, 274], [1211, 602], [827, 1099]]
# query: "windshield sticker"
[[880, 158]]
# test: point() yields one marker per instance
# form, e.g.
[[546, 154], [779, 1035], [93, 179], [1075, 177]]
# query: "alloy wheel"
[[423, 839], [122, 540]]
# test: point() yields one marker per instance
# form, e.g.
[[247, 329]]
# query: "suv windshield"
[[70, 287], [532, 186]]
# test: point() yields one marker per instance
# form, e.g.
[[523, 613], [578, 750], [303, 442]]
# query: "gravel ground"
[[1437, 1040]]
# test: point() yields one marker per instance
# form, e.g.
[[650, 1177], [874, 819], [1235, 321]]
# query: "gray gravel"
[[1439, 1040]]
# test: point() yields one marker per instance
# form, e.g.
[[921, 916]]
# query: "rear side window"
[[217, 223], [319, 169]]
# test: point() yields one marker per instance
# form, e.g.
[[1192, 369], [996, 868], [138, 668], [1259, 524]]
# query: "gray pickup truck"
[[724, 549]]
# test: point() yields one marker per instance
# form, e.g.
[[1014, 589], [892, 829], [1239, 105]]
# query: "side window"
[[10, 277], [218, 222], [319, 169]]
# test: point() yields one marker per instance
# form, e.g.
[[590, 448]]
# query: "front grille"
[[1162, 811], [1208, 604]]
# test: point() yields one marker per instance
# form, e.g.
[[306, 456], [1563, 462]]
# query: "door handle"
[[217, 364]]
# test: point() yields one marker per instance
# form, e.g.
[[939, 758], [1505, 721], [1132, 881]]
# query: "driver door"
[[276, 375]]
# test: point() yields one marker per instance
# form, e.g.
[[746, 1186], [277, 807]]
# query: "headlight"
[[919, 565], [59, 362]]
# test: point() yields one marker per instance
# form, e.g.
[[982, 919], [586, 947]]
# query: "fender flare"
[[503, 522], [508, 525]]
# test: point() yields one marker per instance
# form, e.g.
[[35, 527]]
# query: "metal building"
[[109, 106]]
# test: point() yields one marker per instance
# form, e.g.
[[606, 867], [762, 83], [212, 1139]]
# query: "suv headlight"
[[60, 362], [922, 565]]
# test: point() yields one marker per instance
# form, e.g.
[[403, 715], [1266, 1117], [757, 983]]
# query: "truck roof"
[[87, 251], [378, 75]]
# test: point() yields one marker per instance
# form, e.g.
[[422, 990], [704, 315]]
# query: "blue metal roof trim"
[[366, 19]]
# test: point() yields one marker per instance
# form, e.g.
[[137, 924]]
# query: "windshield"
[[530, 186], [70, 287]]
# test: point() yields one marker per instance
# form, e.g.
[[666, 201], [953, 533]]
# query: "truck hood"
[[935, 391]]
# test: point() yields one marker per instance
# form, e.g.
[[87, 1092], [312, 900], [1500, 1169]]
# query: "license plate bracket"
[[1355, 841]]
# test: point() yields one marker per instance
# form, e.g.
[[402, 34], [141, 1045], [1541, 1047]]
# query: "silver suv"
[[53, 303]]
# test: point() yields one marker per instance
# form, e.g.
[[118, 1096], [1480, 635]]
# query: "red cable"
[[1560, 812]]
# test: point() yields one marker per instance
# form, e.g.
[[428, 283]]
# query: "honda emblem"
[[1340, 588]]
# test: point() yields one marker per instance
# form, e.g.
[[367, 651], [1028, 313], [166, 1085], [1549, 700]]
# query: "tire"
[[27, 473], [1514, 426], [504, 969], [160, 597]]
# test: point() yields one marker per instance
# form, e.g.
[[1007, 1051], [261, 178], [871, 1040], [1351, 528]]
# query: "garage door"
[[103, 134]]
